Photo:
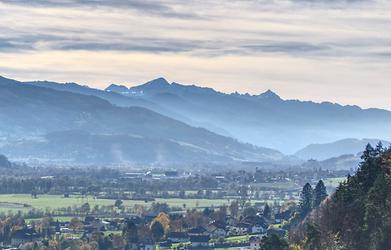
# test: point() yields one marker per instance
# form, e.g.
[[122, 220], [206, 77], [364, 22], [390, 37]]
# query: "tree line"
[[358, 215]]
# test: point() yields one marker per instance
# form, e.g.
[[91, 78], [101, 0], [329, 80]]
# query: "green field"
[[47, 201], [58, 201], [51, 202], [334, 182], [237, 239], [288, 185]]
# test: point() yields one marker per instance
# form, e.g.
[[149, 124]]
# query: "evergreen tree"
[[267, 212], [369, 168], [249, 211], [306, 200], [274, 242], [358, 215], [118, 203], [379, 148], [313, 240], [320, 193], [157, 230], [234, 209], [85, 208], [129, 233]]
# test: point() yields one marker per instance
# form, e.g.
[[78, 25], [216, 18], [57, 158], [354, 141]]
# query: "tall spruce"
[[358, 215], [306, 200], [370, 167], [130, 233], [267, 212], [320, 193]]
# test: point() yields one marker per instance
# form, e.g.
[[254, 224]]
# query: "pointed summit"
[[158, 82], [269, 95], [157, 85]]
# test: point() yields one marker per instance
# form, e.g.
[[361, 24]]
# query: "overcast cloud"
[[338, 51]]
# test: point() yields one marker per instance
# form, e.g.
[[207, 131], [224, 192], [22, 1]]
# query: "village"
[[153, 209], [223, 227], [241, 224]]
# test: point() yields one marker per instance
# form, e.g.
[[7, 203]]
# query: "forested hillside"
[[358, 214]]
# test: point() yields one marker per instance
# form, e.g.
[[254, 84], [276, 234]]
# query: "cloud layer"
[[308, 49]]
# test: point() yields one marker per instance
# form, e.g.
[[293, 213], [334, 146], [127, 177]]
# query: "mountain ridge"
[[267, 93], [268, 118], [325, 151], [264, 120], [36, 117]]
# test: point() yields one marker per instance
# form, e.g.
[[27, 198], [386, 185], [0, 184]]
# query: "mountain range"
[[174, 123], [50, 124], [264, 119]]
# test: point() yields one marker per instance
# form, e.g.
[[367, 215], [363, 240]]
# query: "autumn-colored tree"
[[358, 215], [75, 224], [164, 220]]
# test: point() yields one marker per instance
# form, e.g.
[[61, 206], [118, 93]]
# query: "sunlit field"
[[13, 203]]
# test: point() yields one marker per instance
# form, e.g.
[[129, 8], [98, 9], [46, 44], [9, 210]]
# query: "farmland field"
[[58, 201], [288, 185], [334, 182]]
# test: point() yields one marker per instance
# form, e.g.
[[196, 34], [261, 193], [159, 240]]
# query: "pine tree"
[[306, 200], [274, 242], [267, 212], [129, 233], [358, 215], [370, 167], [313, 240], [320, 193], [157, 230], [379, 148]]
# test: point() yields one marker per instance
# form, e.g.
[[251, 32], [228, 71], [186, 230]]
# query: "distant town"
[[152, 208]]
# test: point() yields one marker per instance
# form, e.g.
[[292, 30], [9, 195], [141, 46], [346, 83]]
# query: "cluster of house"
[[198, 237], [56, 229], [201, 237], [22, 236]]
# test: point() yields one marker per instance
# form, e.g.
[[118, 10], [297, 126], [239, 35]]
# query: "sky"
[[320, 50]]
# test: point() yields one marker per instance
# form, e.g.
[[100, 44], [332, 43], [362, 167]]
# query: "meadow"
[[14, 202], [333, 182], [43, 202]]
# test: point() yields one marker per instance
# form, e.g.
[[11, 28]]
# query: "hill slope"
[[121, 96], [358, 215], [335, 149], [44, 123], [264, 119]]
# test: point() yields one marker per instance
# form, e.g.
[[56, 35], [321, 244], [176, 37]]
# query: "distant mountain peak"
[[75, 85], [117, 88], [269, 94], [158, 82]]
